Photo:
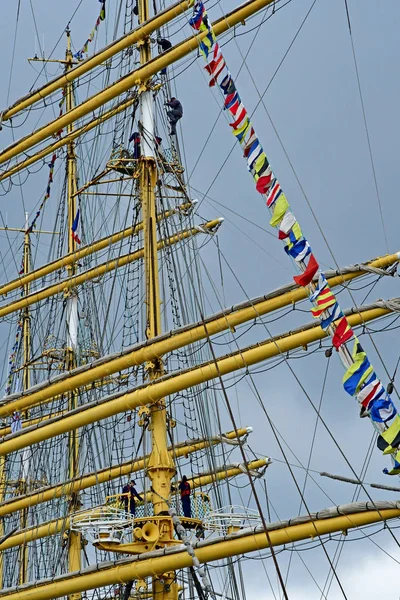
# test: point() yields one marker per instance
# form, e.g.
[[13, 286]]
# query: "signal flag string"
[[360, 379], [85, 48]]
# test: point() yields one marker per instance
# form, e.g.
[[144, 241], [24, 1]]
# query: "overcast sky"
[[311, 125]]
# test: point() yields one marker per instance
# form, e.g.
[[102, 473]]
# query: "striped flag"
[[250, 144], [299, 250], [254, 153], [322, 283], [227, 85], [359, 372], [279, 210], [274, 193], [324, 300], [395, 470], [240, 133], [240, 115], [260, 165], [102, 11], [372, 390], [263, 183], [197, 17], [215, 66]]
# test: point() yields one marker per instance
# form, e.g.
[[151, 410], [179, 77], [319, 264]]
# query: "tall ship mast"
[[189, 412]]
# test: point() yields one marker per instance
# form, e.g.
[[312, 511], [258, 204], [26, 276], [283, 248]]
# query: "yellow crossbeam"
[[234, 545], [176, 382], [150, 351], [68, 138], [73, 257], [56, 526], [137, 77], [225, 472], [107, 474], [100, 270], [97, 59], [28, 423]]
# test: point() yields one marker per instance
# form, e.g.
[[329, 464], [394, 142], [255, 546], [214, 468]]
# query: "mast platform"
[[123, 162]]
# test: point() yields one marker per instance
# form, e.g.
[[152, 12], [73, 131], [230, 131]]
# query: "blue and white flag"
[[300, 250], [382, 410], [336, 314], [322, 283]]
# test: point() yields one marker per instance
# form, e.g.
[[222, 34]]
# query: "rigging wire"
[[309, 400], [56, 44], [313, 438], [13, 51], [364, 115], [284, 357], [307, 199], [255, 495]]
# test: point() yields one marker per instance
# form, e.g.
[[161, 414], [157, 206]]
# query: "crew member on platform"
[[130, 493], [175, 114], [184, 488]]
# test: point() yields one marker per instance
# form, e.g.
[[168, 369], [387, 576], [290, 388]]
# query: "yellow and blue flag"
[[358, 372], [280, 207], [395, 470], [388, 441]]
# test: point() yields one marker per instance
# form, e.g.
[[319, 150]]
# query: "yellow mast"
[[74, 538], [160, 468], [22, 484], [26, 384], [26, 327]]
